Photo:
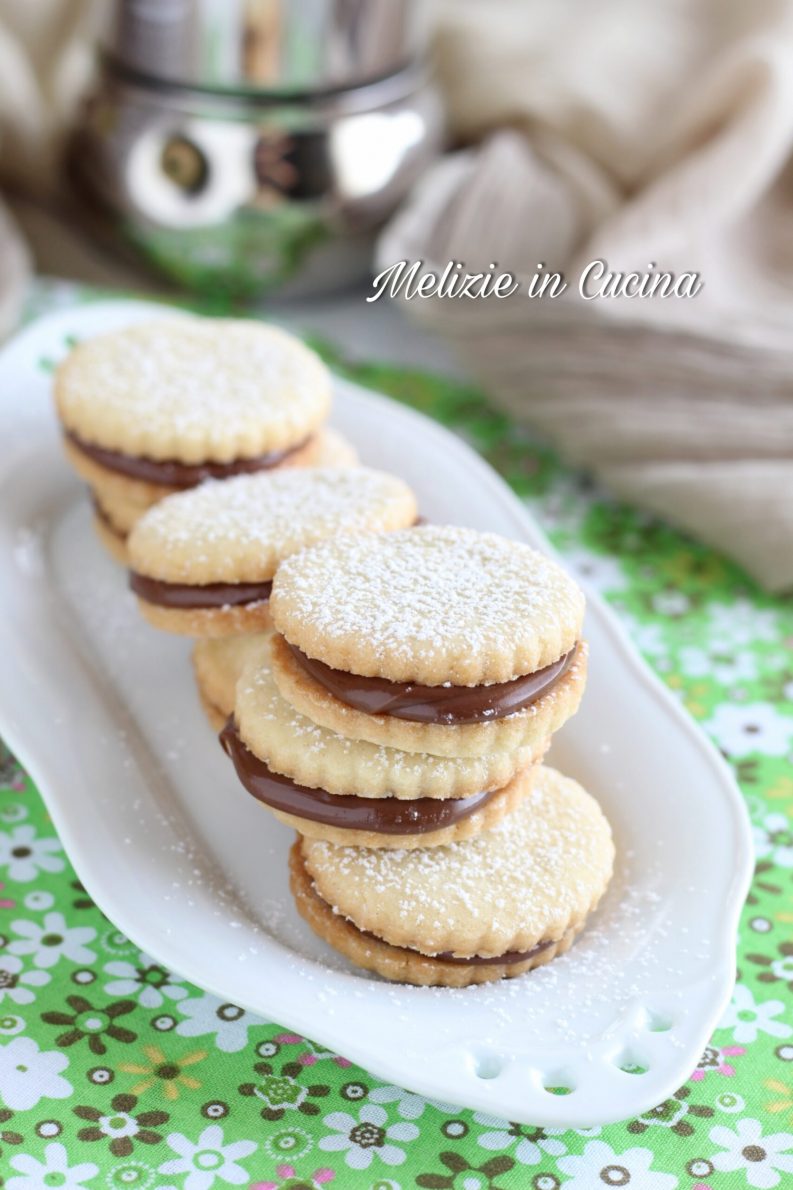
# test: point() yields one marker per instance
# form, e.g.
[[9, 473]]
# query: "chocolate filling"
[[171, 473], [434, 704], [385, 816], [190, 595]]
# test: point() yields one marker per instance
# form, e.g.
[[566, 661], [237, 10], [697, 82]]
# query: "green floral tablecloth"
[[116, 1073]]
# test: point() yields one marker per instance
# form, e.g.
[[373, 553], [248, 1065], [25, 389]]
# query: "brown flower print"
[[120, 1126], [94, 1025]]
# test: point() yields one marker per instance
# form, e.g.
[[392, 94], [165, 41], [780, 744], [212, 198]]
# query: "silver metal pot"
[[256, 144]]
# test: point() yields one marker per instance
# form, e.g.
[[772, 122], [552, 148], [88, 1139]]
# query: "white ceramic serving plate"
[[101, 710]]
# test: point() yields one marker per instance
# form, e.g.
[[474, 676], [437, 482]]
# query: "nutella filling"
[[171, 473], [189, 595], [446, 705], [385, 816]]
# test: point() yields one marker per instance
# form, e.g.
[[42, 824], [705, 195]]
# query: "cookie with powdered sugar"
[[489, 908], [202, 562], [162, 406], [348, 792], [442, 640]]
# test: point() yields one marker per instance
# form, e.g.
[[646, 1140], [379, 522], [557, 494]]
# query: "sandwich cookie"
[[489, 908], [441, 639], [217, 665], [163, 406], [202, 562], [352, 792]]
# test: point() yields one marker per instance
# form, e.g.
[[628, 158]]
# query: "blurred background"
[[274, 154]]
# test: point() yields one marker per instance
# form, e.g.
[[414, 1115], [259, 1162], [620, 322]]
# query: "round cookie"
[[193, 389], [529, 728], [217, 664], [163, 405], [202, 562], [513, 896], [313, 756]]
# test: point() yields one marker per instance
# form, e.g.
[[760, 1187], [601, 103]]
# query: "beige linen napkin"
[[633, 133]]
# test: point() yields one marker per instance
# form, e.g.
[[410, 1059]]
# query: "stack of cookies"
[[397, 718], [164, 406], [386, 688]]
